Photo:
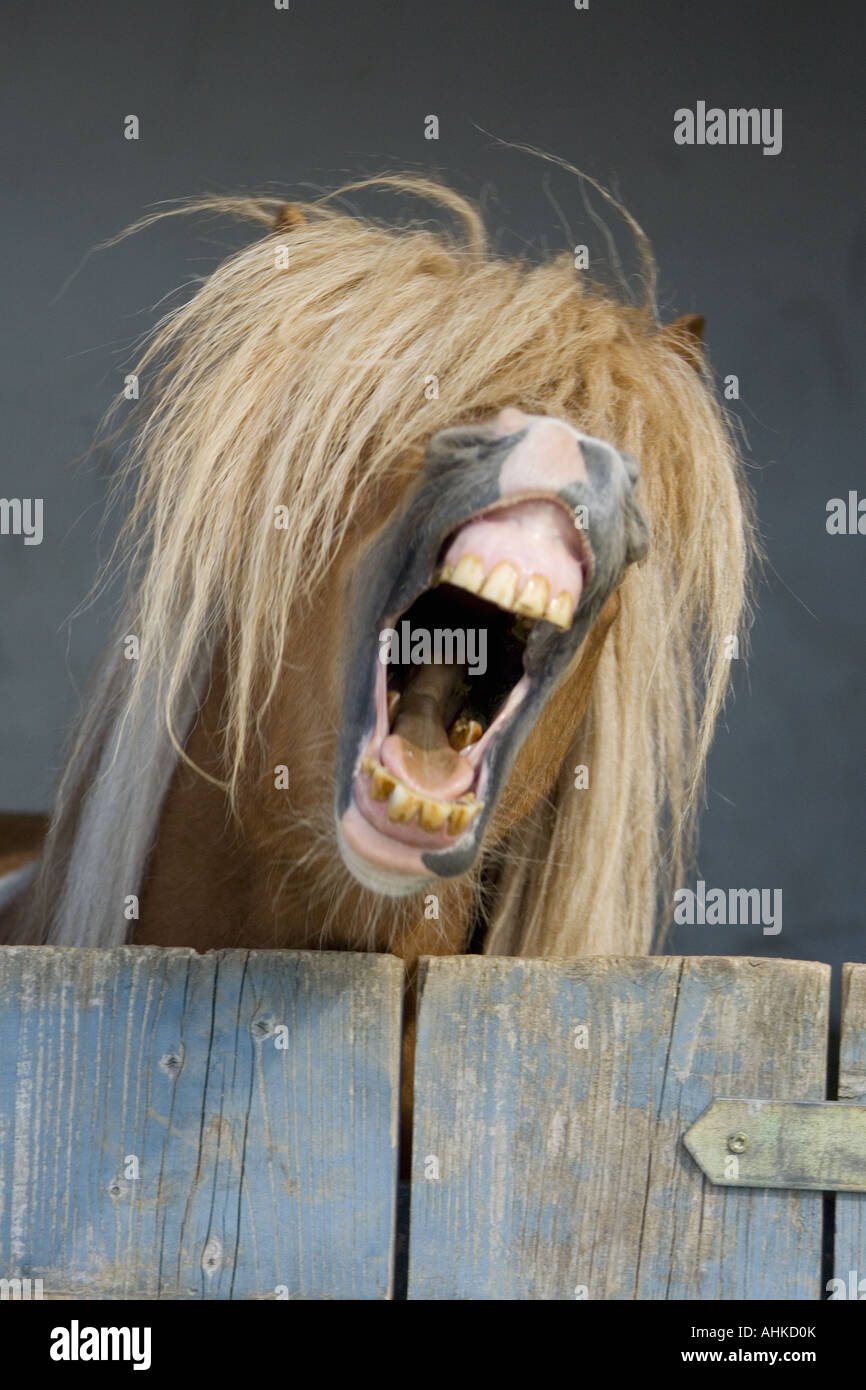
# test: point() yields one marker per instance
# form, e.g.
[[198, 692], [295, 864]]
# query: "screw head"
[[737, 1142]]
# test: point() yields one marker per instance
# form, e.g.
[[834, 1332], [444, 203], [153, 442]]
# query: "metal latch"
[[818, 1144]]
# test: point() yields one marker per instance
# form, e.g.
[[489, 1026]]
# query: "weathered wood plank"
[[256, 1091], [743, 1027], [849, 1249], [550, 1170]]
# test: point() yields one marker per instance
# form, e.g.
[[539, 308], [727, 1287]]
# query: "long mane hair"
[[298, 379]]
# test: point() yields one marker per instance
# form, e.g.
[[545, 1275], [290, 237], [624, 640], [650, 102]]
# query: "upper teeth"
[[533, 597], [502, 587]]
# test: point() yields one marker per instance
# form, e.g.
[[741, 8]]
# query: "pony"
[[357, 432]]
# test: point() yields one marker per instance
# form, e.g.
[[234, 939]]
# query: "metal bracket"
[[781, 1143]]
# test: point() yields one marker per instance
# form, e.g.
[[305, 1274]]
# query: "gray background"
[[772, 250]]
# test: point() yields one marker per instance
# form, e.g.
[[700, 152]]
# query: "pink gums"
[[536, 537], [375, 814]]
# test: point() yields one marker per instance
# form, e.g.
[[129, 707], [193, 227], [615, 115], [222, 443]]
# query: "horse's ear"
[[288, 218], [686, 336]]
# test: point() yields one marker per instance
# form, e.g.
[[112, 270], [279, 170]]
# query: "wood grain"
[[545, 1170], [849, 1251], [263, 1171]]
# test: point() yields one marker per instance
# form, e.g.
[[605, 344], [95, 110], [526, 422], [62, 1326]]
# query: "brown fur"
[[21, 838]]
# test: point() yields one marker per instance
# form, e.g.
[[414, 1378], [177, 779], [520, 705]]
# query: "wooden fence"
[[225, 1126]]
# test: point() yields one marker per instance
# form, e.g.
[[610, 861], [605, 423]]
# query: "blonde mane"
[[295, 376]]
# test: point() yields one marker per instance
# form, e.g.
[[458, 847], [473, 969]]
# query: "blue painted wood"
[[550, 1166], [264, 1170], [743, 1027], [849, 1251]]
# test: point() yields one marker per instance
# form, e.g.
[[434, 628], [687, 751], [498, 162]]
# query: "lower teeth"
[[405, 806], [464, 732]]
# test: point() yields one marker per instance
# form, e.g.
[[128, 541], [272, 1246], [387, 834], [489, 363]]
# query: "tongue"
[[418, 751]]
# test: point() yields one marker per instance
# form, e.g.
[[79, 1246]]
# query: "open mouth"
[[455, 672]]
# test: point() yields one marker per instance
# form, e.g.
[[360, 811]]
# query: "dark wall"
[[772, 249]]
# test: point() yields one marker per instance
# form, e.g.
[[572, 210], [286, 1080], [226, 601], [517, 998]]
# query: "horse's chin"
[[434, 731], [378, 862]]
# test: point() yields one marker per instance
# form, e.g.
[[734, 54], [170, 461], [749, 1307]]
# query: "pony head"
[[454, 540], [485, 588]]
